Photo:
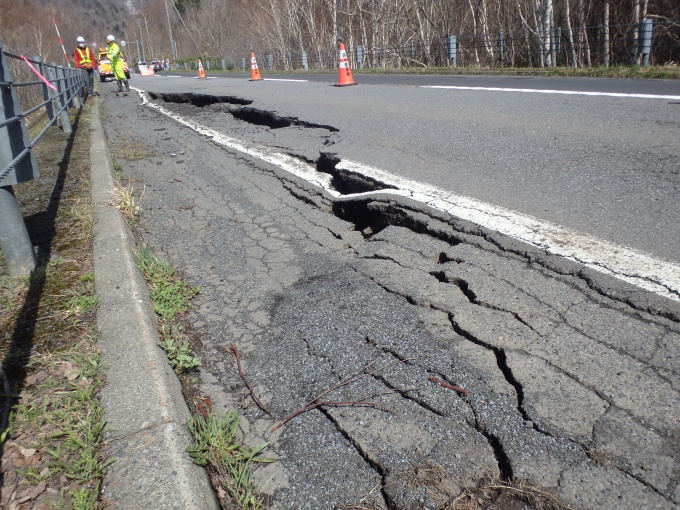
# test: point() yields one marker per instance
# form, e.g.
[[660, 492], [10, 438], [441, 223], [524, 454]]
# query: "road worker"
[[85, 60], [117, 64]]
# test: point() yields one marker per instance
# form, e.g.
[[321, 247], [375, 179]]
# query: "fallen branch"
[[448, 386], [361, 374], [237, 356]]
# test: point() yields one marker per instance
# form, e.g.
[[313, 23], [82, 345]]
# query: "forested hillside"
[[383, 33], [27, 26]]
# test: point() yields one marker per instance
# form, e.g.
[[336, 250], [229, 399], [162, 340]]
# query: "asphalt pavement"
[[493, 362]]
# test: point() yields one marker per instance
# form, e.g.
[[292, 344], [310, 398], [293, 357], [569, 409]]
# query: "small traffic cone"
[[201, 72], [254, 71], [344, 72]]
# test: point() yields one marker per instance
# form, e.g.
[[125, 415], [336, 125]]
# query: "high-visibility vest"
[[113, 51], [84, 59]]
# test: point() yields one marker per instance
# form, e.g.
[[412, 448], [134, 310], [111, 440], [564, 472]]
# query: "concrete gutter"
[[144, 408]]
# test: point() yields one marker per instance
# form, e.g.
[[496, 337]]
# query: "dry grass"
[[51, 439], [124, 200], [132, 149], [496, 495]]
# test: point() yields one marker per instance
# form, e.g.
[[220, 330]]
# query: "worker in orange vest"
[[85, 60]]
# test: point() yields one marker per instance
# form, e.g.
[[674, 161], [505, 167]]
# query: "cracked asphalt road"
[[564, 381]]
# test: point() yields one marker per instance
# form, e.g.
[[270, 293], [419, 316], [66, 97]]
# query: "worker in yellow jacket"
[[113, 52]]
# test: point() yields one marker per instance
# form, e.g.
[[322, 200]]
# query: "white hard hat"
[[80, 40], [110, 38]]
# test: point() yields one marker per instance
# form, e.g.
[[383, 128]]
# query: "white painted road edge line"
[[548, 91], [284, 79], [632, 266]]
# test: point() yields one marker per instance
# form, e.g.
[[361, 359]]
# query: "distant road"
[[604, 165], [625, 86]]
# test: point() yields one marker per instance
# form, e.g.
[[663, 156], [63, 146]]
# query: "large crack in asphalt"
[[372, 215], [241, 110], [504, 463], [348, 183]]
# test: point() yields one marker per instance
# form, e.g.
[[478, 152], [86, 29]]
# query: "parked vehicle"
[[105, 70], [141, 66], [157, 65]]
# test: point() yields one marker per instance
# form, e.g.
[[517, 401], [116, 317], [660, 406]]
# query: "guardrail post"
[[646, 40], [63, 119], [14, 240], [56, 106], [45, 89], [74, 85], [14, 136], [360, 57], [270, 62], [61, 85], [452, 42], [304, 60]]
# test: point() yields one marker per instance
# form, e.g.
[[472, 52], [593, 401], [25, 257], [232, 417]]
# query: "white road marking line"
[[633, 266], [284, 79], [548, 91]]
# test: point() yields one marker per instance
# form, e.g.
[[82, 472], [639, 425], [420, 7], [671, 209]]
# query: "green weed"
[[215, 446], [84, 300], [171, 295], [177, 348]]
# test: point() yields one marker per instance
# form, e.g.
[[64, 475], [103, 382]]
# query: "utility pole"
[[172, 43], [141, 40]]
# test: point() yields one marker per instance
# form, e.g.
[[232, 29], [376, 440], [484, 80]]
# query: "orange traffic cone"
[[344, 73], [254, 71], [201, 72]]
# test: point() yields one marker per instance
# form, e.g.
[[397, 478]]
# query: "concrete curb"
[[142, 399]]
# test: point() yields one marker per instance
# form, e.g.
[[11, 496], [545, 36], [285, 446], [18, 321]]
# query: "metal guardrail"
[[34, 90]]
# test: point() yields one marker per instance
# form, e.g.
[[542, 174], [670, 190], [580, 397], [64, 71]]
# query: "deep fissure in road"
[[199, 100], [345, 182], [367, 458], [241, 111], [371, 216]]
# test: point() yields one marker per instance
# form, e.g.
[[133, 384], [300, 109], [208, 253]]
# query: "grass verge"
[[670, 71], [51, 429], [667, 71]]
